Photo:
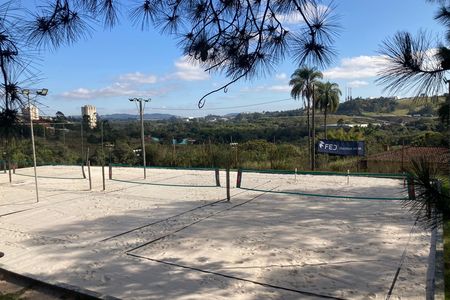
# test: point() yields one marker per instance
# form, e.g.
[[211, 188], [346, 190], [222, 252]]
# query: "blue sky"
[[113, 65]]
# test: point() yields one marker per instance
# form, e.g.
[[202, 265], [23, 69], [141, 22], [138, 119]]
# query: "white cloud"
[[115, 90], [356, 67], [293, 18], [264, 88], [296, 18], [189, 71], [357, 83], [279, 88], [281, 76], [138, 77]]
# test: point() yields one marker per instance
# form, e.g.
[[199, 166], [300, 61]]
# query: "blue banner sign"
[[345, 148]]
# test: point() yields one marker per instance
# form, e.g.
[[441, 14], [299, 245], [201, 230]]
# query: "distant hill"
[[359, 106], [389, 106], [154, 116]]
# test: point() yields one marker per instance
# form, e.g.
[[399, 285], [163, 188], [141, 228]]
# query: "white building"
[[32, 110], [91, 112]]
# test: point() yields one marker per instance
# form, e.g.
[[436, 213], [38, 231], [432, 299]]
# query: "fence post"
[[348, 177], [228, 183], [89, 173], [239, 178], [217, 176]]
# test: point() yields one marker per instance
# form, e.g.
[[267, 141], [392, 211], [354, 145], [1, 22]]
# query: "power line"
[[208, 109], [228, 107]]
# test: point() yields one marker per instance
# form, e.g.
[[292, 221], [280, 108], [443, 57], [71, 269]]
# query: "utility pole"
[[27, 92], [141, 113]]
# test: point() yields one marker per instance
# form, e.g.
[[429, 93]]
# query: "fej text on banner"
[[345, 148]]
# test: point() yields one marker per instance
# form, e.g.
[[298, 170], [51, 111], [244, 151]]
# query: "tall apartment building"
[[91, 112], [32, 110]]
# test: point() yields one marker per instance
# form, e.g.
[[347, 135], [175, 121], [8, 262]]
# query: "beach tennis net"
[[326, 184], [166, 176]]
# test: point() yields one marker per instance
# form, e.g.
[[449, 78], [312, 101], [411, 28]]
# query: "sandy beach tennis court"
[[174, 235]]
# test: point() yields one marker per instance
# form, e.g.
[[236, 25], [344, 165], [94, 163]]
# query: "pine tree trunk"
[[325, 121]]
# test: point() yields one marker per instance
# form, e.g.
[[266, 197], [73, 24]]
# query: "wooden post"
[[103, 175], [228, 183], [89, 173], [216, 171], [239, 178]]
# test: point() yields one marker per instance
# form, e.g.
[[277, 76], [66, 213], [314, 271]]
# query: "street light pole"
[[141, 113], [27, 92]]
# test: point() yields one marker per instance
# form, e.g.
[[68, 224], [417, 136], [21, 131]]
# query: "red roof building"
[[400, 159]]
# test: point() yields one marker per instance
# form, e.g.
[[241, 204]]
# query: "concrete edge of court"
[[439, 283], [78, 292]]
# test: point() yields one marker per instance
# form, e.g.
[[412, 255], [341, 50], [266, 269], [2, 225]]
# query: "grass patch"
[[13, 296]]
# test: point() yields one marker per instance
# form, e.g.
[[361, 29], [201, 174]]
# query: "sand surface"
[[173, 236]]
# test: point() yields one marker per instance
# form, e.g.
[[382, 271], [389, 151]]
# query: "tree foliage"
[[416, 63], [359, 106], [242, 39]]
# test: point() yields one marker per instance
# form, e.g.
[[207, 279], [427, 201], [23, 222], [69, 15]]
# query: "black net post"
[[82, 170], [103, 175], [216, 171], [89, 173], [239, 178], [9, 171], [228, 184], [110, 171], [411, 191]]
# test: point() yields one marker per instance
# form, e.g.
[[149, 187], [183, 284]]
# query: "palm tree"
[[302, 81], [327, 99]]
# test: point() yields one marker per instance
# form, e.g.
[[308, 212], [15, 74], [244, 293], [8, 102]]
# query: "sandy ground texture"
[[174, 236]]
